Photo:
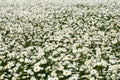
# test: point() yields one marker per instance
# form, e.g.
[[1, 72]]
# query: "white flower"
[[15, 69], [53, 73], [114, 67], [43, 75], [21, 60], [50, 78], [27, 60], [56, 78], [1, 67], [18, 64], [73, 78], [14, 78], [114, 41], [98, 51], [43, 61], [94, 72], [53, 78], [30, 72], [1, 38], [40, 52], [36, 69], [67, 72], [92, 78], [65, 58], [61, 50], [101, 33], [32, 78], [8, 66], [60, 68]]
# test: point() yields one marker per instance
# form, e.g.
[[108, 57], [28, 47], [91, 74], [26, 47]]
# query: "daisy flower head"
[[36, 69], [67, 72], [73, 78]]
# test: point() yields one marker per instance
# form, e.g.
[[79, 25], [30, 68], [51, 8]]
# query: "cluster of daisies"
[[60, 41]]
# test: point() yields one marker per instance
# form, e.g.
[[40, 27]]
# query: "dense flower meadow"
[[60, 41]]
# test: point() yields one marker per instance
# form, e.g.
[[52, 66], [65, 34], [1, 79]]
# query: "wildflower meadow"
[[59, 40]]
